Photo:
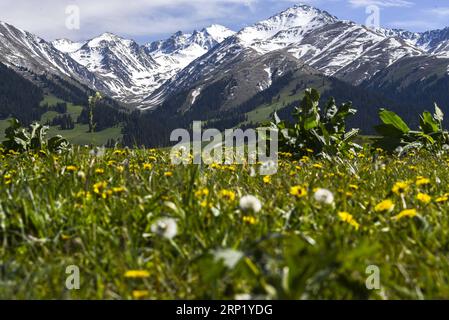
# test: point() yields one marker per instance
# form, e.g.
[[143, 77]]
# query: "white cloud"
[[442, 11], [128, 18], [381, 3]]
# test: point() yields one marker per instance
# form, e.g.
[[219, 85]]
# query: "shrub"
[[22, 140], [395, 133], [324, 134]]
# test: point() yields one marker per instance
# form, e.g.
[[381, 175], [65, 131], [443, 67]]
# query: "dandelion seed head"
[[250, 203], [165, 227], [324, 196]]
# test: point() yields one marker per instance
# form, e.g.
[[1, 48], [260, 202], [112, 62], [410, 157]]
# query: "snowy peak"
[[22, 50], [67, 46], [108, 39], [218, 32], [176, 42], [206, 39], [298, 16]]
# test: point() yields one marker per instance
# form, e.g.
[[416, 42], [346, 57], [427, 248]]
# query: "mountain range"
[[216, 72]]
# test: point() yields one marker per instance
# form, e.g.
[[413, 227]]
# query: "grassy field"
[[102, 213], [79, 135]]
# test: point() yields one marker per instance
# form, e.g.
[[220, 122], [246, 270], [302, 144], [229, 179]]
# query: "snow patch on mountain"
[[67, 46]]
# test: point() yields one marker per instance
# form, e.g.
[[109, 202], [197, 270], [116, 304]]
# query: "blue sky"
[[145, 20]]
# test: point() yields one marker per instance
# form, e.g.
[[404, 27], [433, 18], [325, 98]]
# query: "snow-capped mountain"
[[126, 68], [132, 72], [22, 50], [435, 42], [343, 49], [175, 53]]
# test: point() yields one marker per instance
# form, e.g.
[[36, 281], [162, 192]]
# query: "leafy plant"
[[325, 133], [93, 100], [21, 140], [396, 133]]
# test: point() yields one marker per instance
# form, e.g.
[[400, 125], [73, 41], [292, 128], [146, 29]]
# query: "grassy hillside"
[[79, 135], [104, 217]]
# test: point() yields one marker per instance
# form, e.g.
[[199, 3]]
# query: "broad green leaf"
[[391, 118], [428, 123]]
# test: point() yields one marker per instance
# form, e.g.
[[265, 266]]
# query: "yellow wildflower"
[[406, 213], [147, 166], [348, 218], [298, 191], [267, 179], [354, 187], [99, 187], [118, 189], [71, 168], [168, 174], [227, 194], [442, 199], [140, 294], [99, 171], [421, 181], [249, 220], [202, 193], [424, 198], [400, 187], [7, 178], [384, 206], [318, 166], [135, 274]]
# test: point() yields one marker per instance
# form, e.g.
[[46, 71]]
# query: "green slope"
[[79, 135]]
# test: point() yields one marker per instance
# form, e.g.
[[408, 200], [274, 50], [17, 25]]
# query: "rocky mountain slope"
[[131, 71]]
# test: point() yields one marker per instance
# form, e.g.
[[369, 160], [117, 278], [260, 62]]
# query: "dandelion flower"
[[7, 178], [442, 199], [410, 213], [250, 203], [228, 195], [424, 198], [348, 218], [140, 294], [384, 206], [71, 169], [421, 181], [324, 196], [165, 227], [99, 187], [249, 220], [137, 274], [267, 179], [298, 191], [118, 189], [147, 166], [168, 174], [400, 188]]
